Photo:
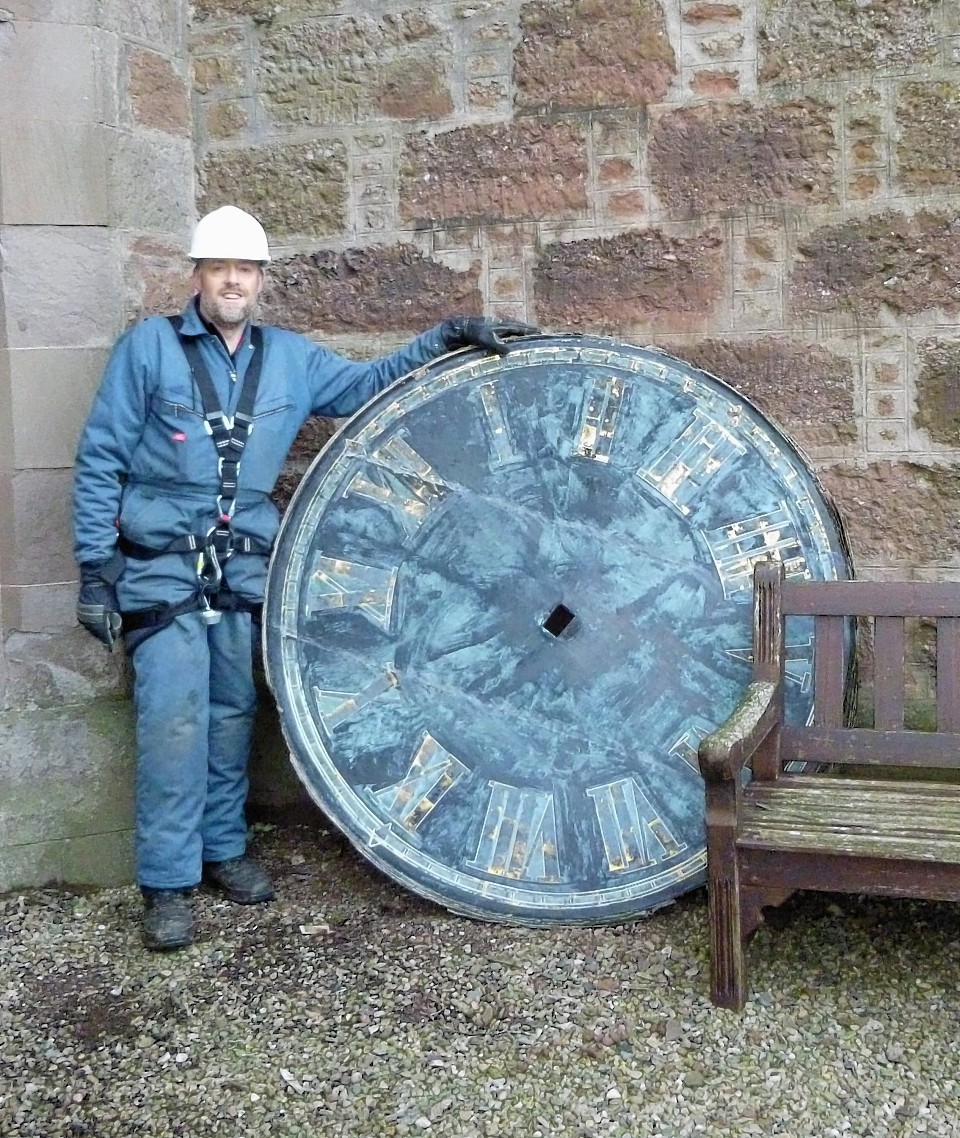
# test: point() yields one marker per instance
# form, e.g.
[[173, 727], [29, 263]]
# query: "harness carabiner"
[[209, 574]]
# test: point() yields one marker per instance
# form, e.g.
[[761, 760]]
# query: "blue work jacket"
[[147, 467]]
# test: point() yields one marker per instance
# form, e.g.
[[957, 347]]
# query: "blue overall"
[[147, 469]]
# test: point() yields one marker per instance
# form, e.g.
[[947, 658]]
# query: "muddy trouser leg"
[[172, 695], [233, 704]]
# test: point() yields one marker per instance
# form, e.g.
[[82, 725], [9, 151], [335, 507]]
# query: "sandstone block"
[[898, 513], [79, 783], [52, 386], [206, 40], [526, 169], [158, 94], [715, 83], [928, 150], [907, 264], [53, 670], [72, 89], [821, 39], [161, 23], [44, 608], [259, 11], [379, 289], [698, 15], [803, 388], [635, 278], [227, 119], [212, 72], [151, 181], [888, 437], [580, 54], [60, 284], [355, 68], [716, 157], [157, 279], [630, 207], [41, 549], [293, 188], [54, 172], [488, 95], [938, 392]]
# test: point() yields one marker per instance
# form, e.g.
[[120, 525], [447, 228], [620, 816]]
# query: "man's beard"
[[227, 313]]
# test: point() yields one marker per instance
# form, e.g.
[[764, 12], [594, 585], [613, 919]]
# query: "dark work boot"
[[167, 918], [240, 879]]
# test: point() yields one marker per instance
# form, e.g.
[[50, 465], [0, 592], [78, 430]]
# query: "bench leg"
[[728, 987]]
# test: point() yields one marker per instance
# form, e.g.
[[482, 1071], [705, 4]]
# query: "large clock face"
[[508, 600]]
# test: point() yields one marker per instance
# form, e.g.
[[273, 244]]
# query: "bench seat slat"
[[914, 820], [906, 848]]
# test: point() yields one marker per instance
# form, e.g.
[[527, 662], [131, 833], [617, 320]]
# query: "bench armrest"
[[725, 751]]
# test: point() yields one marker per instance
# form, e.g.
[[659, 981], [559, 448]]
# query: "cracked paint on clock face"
[[508, 600]]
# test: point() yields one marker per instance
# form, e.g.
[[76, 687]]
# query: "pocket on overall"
[[275, 426], [175, 445]]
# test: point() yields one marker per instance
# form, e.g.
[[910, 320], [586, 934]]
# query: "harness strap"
[[139, 624], [229, 433], [189, 544]]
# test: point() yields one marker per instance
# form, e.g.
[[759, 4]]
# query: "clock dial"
[[507, 601]]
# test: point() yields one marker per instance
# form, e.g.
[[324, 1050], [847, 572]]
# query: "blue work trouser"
[[195, 699]]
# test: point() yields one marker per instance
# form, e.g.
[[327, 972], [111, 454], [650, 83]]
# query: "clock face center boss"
[[508, 600]]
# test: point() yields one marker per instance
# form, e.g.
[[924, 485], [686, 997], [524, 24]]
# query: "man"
[[173, 528]]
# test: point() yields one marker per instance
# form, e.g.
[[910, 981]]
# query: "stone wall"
[[767, 188], [96, 200]]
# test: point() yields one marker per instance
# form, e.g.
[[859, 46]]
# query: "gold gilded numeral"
[[681, 471], [402, 481], [432, 772], [737, 546], [633, 833], [334, 707], [335, 584], [519, 836], [598, 419]]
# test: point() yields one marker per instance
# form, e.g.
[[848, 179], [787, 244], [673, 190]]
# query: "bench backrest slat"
[[948, 674], [888, 685], [862, 746], [829, 673], [871, 598]]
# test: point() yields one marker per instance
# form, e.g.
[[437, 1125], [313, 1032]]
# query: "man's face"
[[228, 291]]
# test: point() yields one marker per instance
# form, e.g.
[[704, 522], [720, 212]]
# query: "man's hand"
[[480, 332], [97, 607]]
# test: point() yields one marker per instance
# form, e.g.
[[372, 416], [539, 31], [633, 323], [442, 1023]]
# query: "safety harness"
[[229, 434]]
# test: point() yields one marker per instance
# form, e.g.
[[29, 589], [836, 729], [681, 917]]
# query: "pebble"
[[350, 1006]]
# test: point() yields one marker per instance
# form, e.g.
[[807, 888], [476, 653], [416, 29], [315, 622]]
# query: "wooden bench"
[[796, 823]]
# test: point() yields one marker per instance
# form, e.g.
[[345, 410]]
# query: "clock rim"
[[513, 913]]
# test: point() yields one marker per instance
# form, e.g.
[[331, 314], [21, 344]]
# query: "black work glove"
[[97, 607], [481, 332]]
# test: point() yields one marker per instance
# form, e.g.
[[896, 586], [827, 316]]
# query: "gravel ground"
[[352, 1007]]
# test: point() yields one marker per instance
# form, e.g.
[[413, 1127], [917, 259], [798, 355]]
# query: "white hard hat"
[[229, 234]]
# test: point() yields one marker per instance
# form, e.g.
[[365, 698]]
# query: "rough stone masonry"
[[767, 188]]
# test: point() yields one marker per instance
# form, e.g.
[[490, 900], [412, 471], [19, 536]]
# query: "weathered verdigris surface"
[[509, 600]]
